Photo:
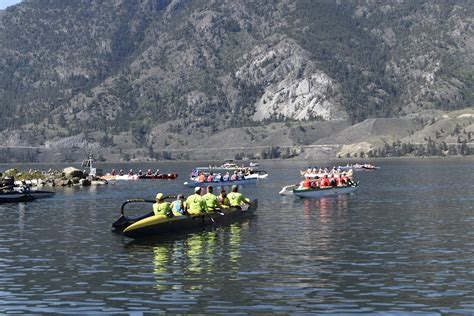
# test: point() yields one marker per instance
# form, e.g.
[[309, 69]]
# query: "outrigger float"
[[150, 225], [317, 192]]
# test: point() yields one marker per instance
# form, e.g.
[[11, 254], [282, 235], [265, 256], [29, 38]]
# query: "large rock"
[[71, 172], [11, 172], [294, 86]]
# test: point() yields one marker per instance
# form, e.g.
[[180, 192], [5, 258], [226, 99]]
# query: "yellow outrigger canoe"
[[150, 224]]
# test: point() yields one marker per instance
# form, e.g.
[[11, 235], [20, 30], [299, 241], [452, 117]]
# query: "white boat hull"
[[124, 177], [220, 183], [316, 193]]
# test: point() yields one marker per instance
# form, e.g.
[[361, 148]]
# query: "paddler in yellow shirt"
[[236, 199], [161, 208], [212, 201], [195, 204]]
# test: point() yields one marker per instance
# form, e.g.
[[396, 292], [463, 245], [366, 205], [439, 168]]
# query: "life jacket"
[[339, 181], [201, 178], [325, 182], [210, 178], [307, 183]]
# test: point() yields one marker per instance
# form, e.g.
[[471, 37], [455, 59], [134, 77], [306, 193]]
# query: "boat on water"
[[317, 192], [358, 167], [314, 175], [245, 181], [229, 166], [126, 177], [151, 225], [164, 176], [247, 174], [16, 196], [259, 174]]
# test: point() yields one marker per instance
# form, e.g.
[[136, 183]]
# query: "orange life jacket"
[[325, 182]]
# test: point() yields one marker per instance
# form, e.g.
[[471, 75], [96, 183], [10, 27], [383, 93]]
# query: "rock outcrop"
[[293, 86]]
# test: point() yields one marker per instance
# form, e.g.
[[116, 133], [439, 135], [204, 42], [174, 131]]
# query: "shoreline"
[[347, 160]]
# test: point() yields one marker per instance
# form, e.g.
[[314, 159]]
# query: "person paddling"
[[161, 208], [325, 182], [212, 201], [223, 199], [195, 204], [179, 206], [236, 199], [201, 177]]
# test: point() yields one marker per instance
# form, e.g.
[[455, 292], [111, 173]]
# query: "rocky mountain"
[[151, 78]]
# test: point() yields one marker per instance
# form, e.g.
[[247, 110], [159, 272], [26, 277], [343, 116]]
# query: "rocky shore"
[[67, 177]]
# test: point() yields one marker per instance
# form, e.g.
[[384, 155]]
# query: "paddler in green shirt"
[[195, 204], [161, 208], [237, 199], [212, 201]]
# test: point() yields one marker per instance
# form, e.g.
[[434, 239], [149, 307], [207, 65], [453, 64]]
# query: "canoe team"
[[140, 173], [202, 177], [326, 182], [198, 204]]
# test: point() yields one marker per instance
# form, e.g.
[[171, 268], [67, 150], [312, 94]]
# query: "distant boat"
[[317, 192], [16, 196], [220, 183], [253, 164]]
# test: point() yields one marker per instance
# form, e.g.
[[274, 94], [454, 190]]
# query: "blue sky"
[[6, 3]]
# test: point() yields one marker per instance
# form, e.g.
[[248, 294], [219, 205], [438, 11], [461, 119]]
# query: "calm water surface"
[[403, 243]]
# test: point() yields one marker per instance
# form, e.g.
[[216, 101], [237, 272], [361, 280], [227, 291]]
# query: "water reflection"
[[326, 206], [22, 208], [186, 260], [234, 246]]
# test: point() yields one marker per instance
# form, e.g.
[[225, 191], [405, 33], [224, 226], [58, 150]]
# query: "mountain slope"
[[160, 72]]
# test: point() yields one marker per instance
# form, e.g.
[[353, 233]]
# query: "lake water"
[[403, 243]]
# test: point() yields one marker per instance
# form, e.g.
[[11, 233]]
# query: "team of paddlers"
[[326, 182], [197, 204], [140, 173], [200, 176]]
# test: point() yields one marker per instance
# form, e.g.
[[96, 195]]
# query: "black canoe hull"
[[190, 224], [17, 197]]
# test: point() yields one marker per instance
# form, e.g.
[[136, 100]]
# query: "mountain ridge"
[[157, 73]]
